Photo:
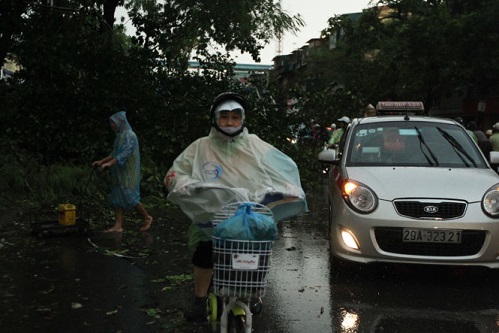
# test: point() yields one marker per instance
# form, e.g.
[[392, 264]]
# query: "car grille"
[[390, 240], [416, 209]]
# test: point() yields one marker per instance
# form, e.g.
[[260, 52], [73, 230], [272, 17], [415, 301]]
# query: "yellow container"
[[67, 214]]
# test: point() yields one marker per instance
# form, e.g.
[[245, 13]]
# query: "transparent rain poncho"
[[217, 170], [125, 189]]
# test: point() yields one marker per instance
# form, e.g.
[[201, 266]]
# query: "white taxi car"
[[407, 188]]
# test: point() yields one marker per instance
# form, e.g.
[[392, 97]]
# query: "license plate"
[[431, 235]]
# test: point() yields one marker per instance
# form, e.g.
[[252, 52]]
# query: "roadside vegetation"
[[78, 66], [426, 51]]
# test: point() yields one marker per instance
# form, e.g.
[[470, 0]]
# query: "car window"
[[412, 144]]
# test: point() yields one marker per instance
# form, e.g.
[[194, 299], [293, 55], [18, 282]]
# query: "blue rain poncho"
[[216, 170], [125, 189]]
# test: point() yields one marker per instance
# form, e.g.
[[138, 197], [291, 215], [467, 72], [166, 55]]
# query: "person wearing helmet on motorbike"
[[228, 165], [336, 136], [470, 132]]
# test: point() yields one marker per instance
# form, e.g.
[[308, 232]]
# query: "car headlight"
[[359, 197], [490, 201]]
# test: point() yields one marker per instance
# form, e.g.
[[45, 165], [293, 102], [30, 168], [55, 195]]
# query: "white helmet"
[[345, 119]]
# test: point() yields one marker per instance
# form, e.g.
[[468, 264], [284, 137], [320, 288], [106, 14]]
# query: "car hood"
[[403, 182]]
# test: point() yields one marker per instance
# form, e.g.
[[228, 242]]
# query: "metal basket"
[[240, 267]]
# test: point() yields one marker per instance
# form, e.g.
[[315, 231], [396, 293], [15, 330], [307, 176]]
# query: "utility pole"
[[278, 42], [278, 45]]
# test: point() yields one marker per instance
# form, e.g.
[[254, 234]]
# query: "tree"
[[173, 29], [10, 24], [78, 67], [422, 50]]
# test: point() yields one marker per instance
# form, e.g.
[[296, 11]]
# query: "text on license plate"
[[432, 235]]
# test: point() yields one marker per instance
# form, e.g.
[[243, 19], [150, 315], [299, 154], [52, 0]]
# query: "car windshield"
[[403, 143]]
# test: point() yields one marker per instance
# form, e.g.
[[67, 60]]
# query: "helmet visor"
[[229, 106]]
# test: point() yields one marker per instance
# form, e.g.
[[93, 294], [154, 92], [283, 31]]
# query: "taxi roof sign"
[[394, 107], [400, 106]]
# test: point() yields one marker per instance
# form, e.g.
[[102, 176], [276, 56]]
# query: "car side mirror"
[[494, 157], [328, 156], [494, 160]]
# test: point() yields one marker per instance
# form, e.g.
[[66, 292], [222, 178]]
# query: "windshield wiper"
[[422, 142], [457, 147]]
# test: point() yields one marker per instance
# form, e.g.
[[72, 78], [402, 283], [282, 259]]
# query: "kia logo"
[[430, 209]]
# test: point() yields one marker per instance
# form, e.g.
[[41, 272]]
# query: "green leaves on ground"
[[174, 280]]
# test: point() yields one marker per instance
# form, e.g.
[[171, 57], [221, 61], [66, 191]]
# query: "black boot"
[[197, 312], [256, 305]]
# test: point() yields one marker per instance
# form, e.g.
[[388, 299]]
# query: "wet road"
[[299, 293], [307, 293], [139, 282]]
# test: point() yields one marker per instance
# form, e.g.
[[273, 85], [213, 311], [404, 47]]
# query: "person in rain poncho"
[[336, 136], [124, 162], [228, 165]]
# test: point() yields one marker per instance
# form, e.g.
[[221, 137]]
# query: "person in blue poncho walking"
[[124, 162]]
